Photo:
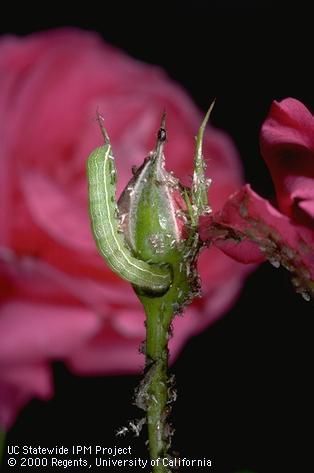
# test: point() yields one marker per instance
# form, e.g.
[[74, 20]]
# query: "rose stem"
[[156, 386], [2, 444], [158, 319]]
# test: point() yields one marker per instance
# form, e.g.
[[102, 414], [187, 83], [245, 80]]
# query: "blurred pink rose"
[[58, 301], [255, 229]]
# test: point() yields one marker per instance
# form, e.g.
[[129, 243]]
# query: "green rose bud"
[[152, 209]]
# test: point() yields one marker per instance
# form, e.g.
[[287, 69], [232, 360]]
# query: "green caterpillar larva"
[[103, 211]]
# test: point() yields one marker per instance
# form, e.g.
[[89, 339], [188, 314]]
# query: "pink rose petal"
[[287, 145], [31, 332], [19, 383], [246, 217]]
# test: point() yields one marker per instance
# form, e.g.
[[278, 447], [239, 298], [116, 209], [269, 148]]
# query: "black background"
[[245, 397]]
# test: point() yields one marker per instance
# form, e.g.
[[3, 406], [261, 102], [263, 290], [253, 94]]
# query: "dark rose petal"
[[249, 227], [287, 145]]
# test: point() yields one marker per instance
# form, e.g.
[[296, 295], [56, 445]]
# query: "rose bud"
[[152, 209]]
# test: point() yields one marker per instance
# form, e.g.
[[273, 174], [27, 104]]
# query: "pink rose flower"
[[249, 228], [58, 300]]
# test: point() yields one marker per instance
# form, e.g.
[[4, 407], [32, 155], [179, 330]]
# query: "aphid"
[[162, 135], [136, 426], [121, 432]]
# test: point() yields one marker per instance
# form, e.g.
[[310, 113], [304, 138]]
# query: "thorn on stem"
[[103, 130]]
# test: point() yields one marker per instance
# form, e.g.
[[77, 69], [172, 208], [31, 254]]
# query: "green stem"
[[156, 385], [2, 445], [157, 329]]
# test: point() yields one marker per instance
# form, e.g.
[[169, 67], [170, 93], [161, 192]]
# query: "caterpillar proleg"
[[103, 212]]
